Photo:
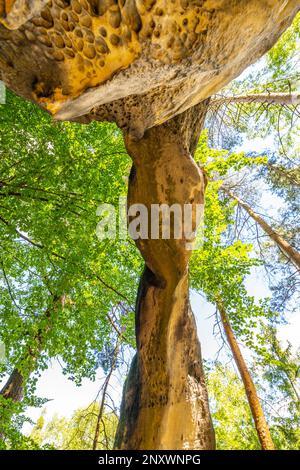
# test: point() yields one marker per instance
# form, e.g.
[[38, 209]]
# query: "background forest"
[[66, 295]]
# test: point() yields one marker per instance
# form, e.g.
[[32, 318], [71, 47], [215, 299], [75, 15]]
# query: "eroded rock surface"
[[136, 62]]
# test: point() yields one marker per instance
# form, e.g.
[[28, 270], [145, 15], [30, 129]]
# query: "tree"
[[277, 368], [85, 76], [282, 244], [231, 415], [281, 99], [101, 412], [161, 320], [58, 297], [230, 411], [77, 432], [13, 389], [264, 105]]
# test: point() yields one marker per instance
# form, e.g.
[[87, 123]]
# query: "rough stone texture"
[[140, 63], [13, 388], [136, 62], [165, 404]]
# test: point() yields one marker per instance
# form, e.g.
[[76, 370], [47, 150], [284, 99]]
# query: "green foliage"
[[64, 293], [59, 283], [219, 163], [219, 270], [57, 277], [233, 423], [230, 411]]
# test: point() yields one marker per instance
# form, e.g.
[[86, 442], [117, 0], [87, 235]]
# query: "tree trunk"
[[13, 390], [290, 252], [165, 402], [281, 99], [287, 176], [261, 424]]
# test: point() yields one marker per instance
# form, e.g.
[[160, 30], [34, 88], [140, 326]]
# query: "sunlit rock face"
[[132, 61]]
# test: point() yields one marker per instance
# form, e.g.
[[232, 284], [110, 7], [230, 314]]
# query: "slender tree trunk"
[[165, 402], [282, 99], [261, 424], [290, 252], [291, 378]]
